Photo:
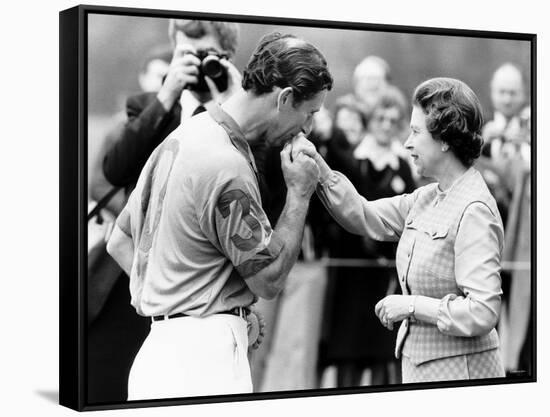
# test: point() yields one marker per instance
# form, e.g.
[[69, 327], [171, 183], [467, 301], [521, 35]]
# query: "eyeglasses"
[[381, 119]]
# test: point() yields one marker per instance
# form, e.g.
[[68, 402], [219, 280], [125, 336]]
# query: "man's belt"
[[236, 311]]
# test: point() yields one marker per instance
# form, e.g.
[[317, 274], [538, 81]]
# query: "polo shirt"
[[197, 223]]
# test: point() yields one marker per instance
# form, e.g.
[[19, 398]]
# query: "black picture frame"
[[73, 198]]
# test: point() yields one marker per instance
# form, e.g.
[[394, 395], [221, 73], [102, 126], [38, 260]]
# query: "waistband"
[[236, 311]]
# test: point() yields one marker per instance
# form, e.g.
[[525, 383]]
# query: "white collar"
[[380, 156], [505, 123]]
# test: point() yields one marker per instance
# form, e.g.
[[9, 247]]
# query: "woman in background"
[[377, 171]]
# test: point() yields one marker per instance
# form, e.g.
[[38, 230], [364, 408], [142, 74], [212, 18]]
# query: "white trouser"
[[190, 356]]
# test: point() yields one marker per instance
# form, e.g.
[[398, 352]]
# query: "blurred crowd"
[[321, 331]]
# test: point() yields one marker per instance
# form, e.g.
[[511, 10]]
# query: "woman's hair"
[[286, 61], [227, 33], [390, 97], [453, 115], [350, 103]]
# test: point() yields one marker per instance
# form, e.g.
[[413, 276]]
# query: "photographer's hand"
[[183, 70], [234, 81]]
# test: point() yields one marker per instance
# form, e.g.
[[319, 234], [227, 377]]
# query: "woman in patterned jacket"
[[450, 241]]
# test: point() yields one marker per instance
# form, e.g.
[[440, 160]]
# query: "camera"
[[212, 67]]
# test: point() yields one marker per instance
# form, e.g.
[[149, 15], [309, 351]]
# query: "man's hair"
[[453, 115], [508, 67], [287, 61], [227, 33], [368, 62]]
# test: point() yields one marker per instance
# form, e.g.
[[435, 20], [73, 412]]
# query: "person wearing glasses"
[[377, 170]]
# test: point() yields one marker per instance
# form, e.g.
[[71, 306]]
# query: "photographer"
[[185, 91]]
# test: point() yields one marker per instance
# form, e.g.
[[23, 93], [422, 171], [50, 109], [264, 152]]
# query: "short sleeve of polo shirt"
[[235, 222]]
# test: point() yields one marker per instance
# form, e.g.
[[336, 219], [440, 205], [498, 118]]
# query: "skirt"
[[486, 364]]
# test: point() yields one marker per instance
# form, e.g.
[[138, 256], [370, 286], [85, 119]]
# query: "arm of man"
[[268, 281], [235, 222], [151, 118], [121, 247], [148, 124], [301, 175]]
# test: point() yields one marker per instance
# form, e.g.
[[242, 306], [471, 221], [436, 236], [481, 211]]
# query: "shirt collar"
[[442, 194], [188, 104], [379, 156], [234, 132]]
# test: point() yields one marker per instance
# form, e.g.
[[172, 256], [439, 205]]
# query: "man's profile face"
[[507, 92], [295, 118]]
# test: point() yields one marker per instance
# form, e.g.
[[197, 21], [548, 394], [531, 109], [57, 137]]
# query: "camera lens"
[[212, 67]]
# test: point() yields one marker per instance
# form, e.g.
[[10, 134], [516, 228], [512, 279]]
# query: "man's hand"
[[301, 174], [392, 309], [300, 144], [234, 81], [183, 70]]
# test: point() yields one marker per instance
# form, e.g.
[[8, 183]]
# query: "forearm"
[[455, 315], [121, 248], [168, 98], [381, 220], [289, 231], [139, 137]]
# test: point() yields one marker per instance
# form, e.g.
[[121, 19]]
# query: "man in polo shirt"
[[194, 237]]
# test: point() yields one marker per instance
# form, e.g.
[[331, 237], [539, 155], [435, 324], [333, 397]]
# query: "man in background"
[[506, 167], [152, 116]]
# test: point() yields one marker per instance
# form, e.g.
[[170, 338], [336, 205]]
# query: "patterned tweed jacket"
[[450, 245]]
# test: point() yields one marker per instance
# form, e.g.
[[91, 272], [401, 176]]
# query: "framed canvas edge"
[[73, 189]]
